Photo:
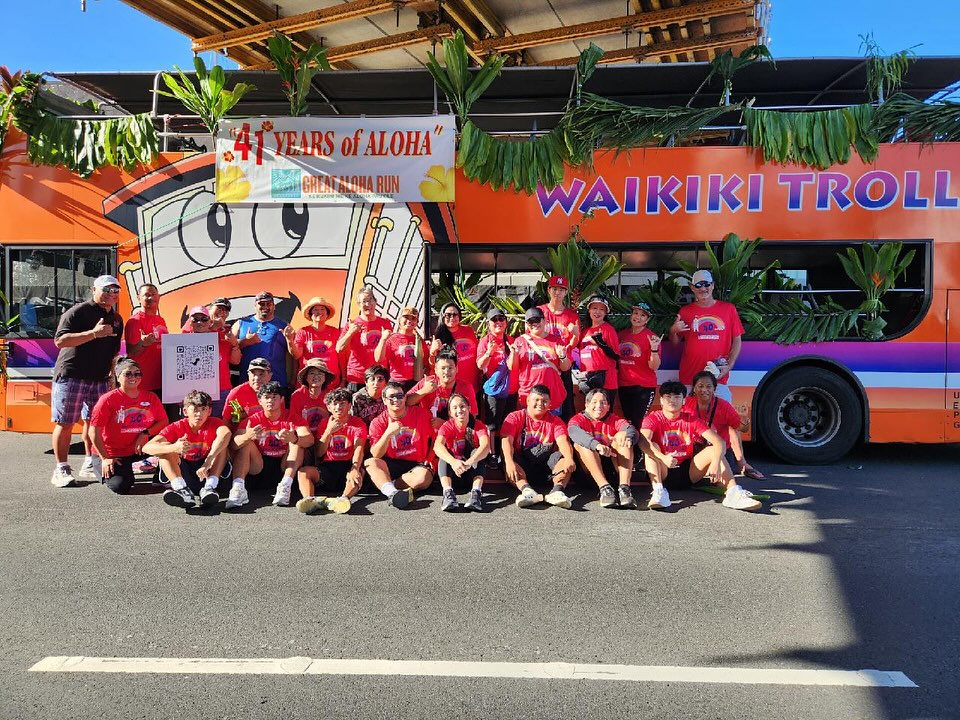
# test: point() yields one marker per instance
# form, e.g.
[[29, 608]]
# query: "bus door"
[[952, 394]]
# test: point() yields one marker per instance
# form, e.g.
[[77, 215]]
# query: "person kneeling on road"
[[341, 438], [463, 442], [192, 452], [672, 434], [536, 448], [604, 443], [399, 443], [267, 445]]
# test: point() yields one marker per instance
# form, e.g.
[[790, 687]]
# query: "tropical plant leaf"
[[212, 101]]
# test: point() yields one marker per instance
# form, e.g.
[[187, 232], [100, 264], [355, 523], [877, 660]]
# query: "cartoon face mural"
[[194, 249]]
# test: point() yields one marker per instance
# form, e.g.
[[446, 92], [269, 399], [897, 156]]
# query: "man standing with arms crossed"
[[88, 338]]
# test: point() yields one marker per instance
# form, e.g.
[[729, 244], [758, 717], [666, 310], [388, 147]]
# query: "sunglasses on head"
[[702, 284]]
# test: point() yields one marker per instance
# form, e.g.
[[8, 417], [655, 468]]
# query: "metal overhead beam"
[[707, 42], [390, 42], [682, 14], [295, 23]]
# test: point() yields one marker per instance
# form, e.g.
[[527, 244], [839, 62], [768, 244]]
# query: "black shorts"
[[538, 468], [678, 478], [333, 473], [271, 474], [396, 467]]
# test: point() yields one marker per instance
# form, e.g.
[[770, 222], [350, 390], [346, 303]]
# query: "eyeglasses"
[[534, 321], [702, 284], [111, 290], [451, 315], [499, 318], [200, 318], [132, 374], [394, 396]]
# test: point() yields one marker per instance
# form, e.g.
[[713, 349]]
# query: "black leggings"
[[635, 401]]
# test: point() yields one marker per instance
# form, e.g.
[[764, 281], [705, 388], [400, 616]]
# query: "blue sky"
[[54, 35]]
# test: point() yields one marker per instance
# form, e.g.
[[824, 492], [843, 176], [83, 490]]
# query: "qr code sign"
[[194, 363]]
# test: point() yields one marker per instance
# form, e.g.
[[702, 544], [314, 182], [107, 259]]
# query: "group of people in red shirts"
[[381, 403]]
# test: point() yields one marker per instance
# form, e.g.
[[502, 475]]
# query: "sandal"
[[752, 473]]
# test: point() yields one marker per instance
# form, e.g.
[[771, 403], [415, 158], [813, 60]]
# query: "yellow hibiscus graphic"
[[232, 185], [438, 187]]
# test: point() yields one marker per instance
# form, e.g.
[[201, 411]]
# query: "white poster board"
[[190, 361]]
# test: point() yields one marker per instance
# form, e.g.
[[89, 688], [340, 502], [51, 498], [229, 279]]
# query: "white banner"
[[336, 160], [190, 361]]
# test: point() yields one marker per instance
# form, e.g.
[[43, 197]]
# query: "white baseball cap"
[[105, 281]]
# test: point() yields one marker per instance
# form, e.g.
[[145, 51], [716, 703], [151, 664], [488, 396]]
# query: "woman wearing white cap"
[[598, 350]]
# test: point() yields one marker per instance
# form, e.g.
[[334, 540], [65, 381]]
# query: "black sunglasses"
[[394, 396], [702, 284]]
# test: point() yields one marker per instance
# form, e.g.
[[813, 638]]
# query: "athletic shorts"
[[73, 399], [538, 468], [398, 466], [333, 473], [271, 474], [678, 478]]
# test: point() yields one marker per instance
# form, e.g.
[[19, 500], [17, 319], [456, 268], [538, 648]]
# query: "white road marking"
[[534, 671]]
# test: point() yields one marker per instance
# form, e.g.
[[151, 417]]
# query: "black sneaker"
[[449, 503], [475, 502], [608, 497], [401, 498], [180, 498], [626, 498], [493, 462]]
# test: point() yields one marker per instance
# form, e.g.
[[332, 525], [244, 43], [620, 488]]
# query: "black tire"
[[810, 416]]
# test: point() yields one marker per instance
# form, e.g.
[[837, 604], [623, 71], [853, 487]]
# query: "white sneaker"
[[62, 477], [208, 497], [659, 498], [238, 496], [737, 498], [529, 497], [558, 498], [92, 468], [339, 505], [311, 504], [282, 496]]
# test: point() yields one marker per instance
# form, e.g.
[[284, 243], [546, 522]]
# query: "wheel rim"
[[809, 417]]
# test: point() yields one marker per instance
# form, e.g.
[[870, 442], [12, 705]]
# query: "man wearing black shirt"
[[88, 338]]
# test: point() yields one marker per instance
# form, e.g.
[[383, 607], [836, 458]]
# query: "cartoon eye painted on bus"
[[283, 241]]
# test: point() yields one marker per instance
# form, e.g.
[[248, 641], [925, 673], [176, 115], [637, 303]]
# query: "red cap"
[[558, 281]]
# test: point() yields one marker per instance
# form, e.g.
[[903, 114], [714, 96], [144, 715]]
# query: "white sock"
[[63, 465], [178, 483], [286, 483], [211, 483], [239, 483], [388, 489], [88, 459]]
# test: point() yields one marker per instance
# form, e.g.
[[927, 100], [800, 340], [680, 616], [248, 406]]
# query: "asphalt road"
[[853, 566]]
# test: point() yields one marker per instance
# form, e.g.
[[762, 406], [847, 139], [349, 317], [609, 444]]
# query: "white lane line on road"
[[431, 668]]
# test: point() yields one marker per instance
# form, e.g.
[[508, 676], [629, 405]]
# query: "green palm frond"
[[905, 118]]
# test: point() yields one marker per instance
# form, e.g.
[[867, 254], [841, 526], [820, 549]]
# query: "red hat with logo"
[[558, 281]]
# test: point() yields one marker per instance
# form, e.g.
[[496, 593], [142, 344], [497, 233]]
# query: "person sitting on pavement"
[[318, 340], [604, 443], [193, 453], [722, 417], [267, 445], [598, 348], [537, 360], [462, 338], [243, 399], [639, 362], [536, 449], [368, 400], [672, 434], [121, 423], [462, 443], [403, 352], [307, 403], [434, 391], [340, 442], [399, 446], [360, 336]]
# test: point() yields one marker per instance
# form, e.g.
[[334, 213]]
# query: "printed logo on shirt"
[[408, 351], [339, 444], [318, 347], [404, 440], [312, 416], [272, 443], [195, 450], [629, 350], [132, 418], [463, 348], [708, 327], [674, 440]]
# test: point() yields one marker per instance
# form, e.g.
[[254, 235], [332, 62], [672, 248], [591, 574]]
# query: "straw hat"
[[331, 310]]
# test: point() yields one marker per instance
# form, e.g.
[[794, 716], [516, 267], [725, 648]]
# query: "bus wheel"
[[810, 416]]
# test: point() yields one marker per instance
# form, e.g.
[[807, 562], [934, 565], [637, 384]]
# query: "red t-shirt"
[[320, 343], [592, 357], [455, 439], [122, 418], [602, 430], [676, 436], [148, 359], [496, 357], [225, 348], [438, 399], [362, 345], [711, 334], [725, 415], [465, 343], [345, 440], [558, 324], [528, 432], [635, 359], [269, 442], [305, 410], [246, 397], [400, 355], [534, 357], [199, 441], [413, 440]]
